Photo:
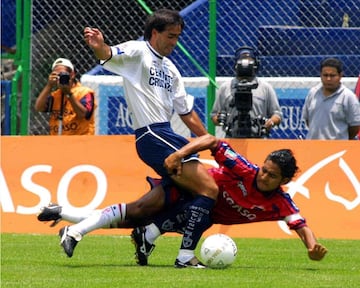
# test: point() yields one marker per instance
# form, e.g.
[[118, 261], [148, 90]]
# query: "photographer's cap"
[[64, 62]]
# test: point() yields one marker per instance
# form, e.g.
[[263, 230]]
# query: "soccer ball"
[[218, 251]]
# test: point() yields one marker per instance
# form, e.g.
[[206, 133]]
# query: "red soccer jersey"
[[240, 201]]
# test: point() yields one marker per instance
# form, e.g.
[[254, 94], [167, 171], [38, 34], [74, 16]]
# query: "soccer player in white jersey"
[[153, 90]]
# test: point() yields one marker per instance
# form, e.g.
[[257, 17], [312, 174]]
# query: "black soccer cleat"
[[193, 263], [50, 213], [67, 242], [143, 247]]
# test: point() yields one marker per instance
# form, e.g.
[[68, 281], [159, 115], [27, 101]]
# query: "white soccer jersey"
[[153, 85]]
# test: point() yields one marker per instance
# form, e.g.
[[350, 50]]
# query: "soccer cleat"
[[143, 247], [67, 242], [50, 213], [193, 263]]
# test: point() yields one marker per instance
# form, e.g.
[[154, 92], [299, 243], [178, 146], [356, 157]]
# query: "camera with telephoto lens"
[[64, 78], [222, 118]]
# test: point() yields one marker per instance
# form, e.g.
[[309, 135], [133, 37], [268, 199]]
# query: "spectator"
[[357, 88], [70, 104], [331, 110], [245, 106], [357, 93]]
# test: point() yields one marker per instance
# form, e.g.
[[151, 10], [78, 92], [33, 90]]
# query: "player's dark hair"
[[160, 19], [286, 161], [332, 62]]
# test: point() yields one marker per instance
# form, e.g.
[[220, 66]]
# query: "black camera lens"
[[64, 78], [221, 118], [245, 68]]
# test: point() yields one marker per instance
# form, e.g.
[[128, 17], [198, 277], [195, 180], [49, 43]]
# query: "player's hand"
[[93, 38], [173, 164], [317, 252]]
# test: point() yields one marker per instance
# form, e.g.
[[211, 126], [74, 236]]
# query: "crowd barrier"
[[92, 172]]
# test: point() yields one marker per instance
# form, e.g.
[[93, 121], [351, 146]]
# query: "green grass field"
[[107, 261]]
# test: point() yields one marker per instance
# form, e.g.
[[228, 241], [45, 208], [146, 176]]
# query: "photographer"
[[70, 104], [246, 107]]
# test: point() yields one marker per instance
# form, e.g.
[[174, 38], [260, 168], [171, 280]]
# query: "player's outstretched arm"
[[316, 251], [95, 40]]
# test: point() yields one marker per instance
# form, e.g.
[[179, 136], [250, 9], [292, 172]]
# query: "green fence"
[[290, 36], [20, 54]]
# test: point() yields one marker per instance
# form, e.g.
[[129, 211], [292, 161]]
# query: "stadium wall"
[[93, 172], [113, 117]]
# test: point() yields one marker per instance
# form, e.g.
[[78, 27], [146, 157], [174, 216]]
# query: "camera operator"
[[71, 105], [246, 107]]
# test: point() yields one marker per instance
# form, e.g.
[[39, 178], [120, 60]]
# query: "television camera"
[[242, 125]]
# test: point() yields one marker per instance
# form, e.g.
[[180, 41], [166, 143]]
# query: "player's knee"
[[136, 210]]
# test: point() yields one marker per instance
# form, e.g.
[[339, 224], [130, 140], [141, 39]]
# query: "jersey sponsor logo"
[[229, 153], [160, 79], [242, 187], [65, 127], [241, 210]]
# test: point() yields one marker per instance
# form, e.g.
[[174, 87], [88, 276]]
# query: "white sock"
[[75, 215], [106, 218], [185, 255], [152, 233]]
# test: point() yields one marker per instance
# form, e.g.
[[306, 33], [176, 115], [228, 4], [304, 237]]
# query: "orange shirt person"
[[71, 105]]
